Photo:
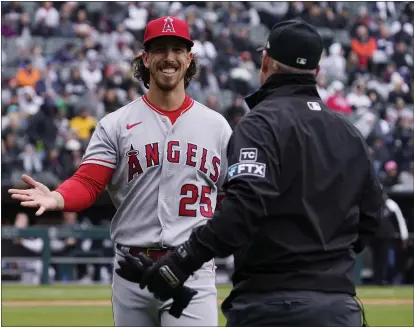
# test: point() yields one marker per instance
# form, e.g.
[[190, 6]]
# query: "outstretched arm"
[[83, 188], [75, 194]]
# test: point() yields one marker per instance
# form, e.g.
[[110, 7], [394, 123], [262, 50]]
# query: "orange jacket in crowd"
[[364, 49], [26, 78]]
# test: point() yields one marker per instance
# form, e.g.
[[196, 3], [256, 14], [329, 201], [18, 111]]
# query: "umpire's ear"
[[265, 62], [265, 67], [318, 68]]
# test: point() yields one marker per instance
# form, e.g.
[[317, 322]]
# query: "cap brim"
[[260, 49], [189, 42]]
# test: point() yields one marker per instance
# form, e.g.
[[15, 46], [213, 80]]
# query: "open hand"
[[39, 196]]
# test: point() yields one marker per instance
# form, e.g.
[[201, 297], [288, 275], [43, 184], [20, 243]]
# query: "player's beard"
[[167, 83]]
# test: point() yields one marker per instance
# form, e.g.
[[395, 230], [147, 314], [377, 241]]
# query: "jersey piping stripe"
[[188, 108], [144, 97], [101, 160]]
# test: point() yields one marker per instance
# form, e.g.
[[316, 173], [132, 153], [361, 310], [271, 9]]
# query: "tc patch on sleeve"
[[247, 169], [248, 154]]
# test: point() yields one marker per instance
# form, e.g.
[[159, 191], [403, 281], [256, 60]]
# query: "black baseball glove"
[[133, 269], [168, 274]]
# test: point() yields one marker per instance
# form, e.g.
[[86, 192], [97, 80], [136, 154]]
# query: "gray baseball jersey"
[[166, 175]]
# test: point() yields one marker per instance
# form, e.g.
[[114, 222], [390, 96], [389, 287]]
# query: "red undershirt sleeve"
[[82, 189]]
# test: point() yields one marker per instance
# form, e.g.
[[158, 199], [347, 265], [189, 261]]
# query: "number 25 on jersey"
[[193, 194]]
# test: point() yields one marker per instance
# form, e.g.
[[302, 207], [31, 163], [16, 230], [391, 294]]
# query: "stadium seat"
[[95, 6], [10, 47], [327, 36], [30, 6], [4, 44], [217, 29], [226, 98], [255, 80], [53, 44], [8, 72], [342, 36], [326, 33], [258, 35], [39, 40]]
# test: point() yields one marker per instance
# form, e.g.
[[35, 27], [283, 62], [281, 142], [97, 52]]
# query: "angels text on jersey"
[[173, 153]]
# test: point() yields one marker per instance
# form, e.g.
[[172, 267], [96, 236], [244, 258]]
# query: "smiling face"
[[167, 60]]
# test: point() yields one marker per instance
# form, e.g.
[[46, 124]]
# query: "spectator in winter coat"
[[363, 45], [406, 178], [235, 112], [27, 75], [10, 152], [337, 101], [13, 12], [397, 111], [38, 61], [208, 80], [363, 18], [380, 153], [30, 160], [226, 59], [402, 33], [66, 54], [402, 57], [111, 101], [337, 63], [49, 84], [82, 27], [9, 90], [7, 30], [399, 92], [403, 151], [41, 126], [12, 15], [358, 98], [91, 75], [47, 20], [84, 124], [29, 101], [385, 46], [321, 86], [354, 70], [377, 103], [76, 86], [212, 102], [53, 164], [389, 177], [315, 16]]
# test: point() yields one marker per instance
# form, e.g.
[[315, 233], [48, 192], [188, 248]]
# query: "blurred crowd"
[[65, 65]]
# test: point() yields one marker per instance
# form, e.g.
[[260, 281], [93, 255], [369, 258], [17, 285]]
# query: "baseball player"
[[162, 158]]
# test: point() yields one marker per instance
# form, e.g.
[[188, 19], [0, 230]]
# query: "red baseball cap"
[[167, 26]]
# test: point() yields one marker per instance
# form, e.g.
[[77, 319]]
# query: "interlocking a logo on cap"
[[168, 25], [301, 61]]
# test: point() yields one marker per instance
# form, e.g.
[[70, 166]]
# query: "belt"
[[153, 252]]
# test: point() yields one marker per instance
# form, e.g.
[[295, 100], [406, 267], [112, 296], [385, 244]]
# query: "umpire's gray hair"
[[290, 70]]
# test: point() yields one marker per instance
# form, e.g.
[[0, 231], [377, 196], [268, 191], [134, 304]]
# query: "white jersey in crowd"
[[166, 175]]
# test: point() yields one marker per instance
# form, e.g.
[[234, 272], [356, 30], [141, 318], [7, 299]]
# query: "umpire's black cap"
[[294, 43]]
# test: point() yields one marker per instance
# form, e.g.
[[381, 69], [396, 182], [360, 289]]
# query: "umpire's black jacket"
[[301, 195]]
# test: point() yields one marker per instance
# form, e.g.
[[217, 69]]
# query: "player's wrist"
[[187, 258], [60, 200]]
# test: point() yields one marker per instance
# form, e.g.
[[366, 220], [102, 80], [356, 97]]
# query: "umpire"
[[302, 200]]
